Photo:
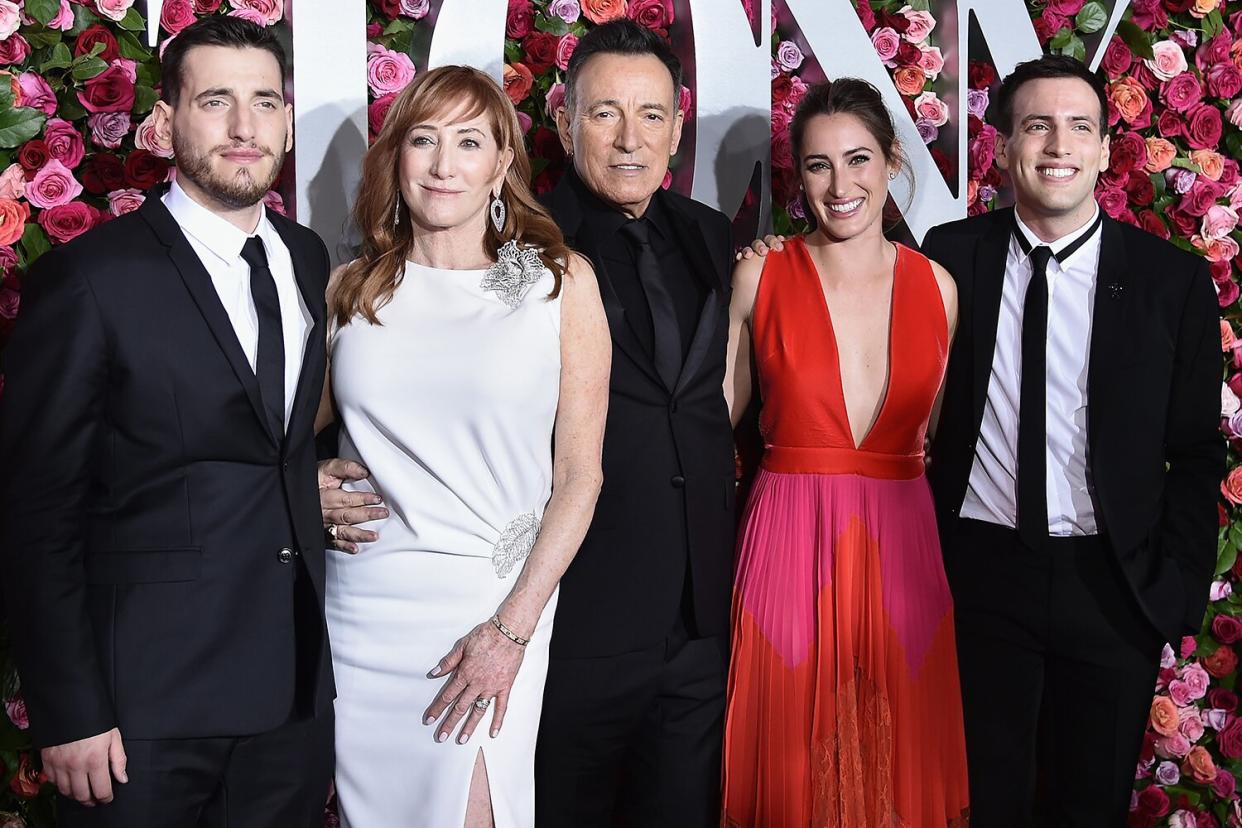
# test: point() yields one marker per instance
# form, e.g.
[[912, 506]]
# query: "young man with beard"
[[162, 545], [1076, 464]]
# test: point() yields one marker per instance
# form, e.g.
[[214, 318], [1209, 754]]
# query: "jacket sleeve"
[[1194, 448], [56, 369]]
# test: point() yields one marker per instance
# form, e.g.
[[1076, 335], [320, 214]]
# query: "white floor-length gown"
[[450, 404]]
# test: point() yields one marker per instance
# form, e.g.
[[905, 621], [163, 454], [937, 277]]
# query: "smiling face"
[[1056, 150], [844, 175], [623, 128], [231, 127], [449, 167]]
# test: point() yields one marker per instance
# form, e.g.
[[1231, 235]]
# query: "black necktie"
[[269, 364], [666, 332], [1032, 416]]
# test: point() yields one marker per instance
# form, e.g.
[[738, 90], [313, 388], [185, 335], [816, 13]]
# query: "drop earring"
[[396, 212], [498, 212]]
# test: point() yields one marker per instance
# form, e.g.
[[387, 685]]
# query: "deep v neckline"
[[857, 445]]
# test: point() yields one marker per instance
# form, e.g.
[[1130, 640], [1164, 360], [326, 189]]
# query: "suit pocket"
[[144, 566]]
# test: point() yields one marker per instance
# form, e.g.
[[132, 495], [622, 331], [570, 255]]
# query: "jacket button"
[[285, 465], [286, 555], [677, 481], [672, 407]]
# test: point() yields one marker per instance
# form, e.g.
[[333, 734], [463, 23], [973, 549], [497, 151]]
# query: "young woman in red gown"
[[844, 704]]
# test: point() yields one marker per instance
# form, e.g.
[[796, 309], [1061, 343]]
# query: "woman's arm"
[[948, 294], [485, 662], [737, 382]]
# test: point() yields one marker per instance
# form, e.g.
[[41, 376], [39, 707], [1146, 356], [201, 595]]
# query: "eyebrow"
[[1086, 118], [847, 153], [434, 127], [225, 92], [617, 103]]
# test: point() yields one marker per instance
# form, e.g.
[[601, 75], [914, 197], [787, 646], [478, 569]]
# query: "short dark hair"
[[214, 30], [620, 37], [1048, 66]]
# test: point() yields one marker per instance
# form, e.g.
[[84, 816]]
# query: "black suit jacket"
[[668, 463], [146, 503], [1154, 376]]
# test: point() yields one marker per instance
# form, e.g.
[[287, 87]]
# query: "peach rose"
[[1227, 337], [909, 80], [13, 215], [1202, 8], [1163, 715], [1211, 163], [1231, 488], [1199, 765], [12, 182], [1160, 154], [1129, 97], [601, 11], [517, 81]]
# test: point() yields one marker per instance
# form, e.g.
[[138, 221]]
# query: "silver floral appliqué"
[[516, 269], [515, 543]]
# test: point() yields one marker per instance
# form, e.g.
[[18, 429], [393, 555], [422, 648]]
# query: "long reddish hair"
[[367, 283]]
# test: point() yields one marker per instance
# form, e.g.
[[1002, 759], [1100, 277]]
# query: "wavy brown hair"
[[366, 284]]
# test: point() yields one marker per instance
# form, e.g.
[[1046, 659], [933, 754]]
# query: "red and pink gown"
[[844, 703]]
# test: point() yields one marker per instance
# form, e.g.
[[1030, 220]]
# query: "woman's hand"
[[481, 665]]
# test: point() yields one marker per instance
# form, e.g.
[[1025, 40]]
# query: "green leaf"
[[61, 58], [133, 22], [1226, 560], [40, 40], [34, 243], [1213, 24], [148, 74], [1091, 18], [86, 67], [69, 107], [1233, 142], [1137, 39], [551, 25], [144, 99], [83, 18], [399, 26], [1158, 184], [18, 124], [1061, 39], [131, 47], [1076, 49], [43, 10]]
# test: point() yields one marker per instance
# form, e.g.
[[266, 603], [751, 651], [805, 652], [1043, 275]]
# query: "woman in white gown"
[[469, 369]]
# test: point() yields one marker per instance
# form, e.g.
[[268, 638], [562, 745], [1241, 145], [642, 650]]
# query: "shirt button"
[[285, 556], [677, 481]]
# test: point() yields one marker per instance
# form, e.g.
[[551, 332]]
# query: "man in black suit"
[[162, 545], [633, 711], [1075, 466]]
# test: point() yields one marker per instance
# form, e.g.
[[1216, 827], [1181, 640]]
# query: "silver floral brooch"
[[515, 543], [516, 269]]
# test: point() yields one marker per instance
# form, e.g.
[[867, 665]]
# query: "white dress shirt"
[[991, 494], [219, 245]]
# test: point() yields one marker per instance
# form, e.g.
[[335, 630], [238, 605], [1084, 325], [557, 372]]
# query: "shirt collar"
[[1059, 244], [607, 219], [222, 238]]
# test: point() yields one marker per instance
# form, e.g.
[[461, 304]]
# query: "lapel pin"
[[1115, 290]]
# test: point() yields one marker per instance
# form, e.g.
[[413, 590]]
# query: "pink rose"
[[1203, 127], [52, 186], [1179, 692], [146, 138], [249, 15], [565, 50], [378, 111], [886, 42], [270, 10], [931, 61], [125, 201], [982, 150], [921, 24], [1117, 58], [1190, 724], [1224, 80], [12, 182], [68, 221], [10, 18], [275, 202], [1218, 222], [1167, 61], [63, 21], [64, 142], [16, 710], [113, 9], [685, 103], [387, 71], [1224, 785], [520, 20], [1048, 24], [1197, 680], [1216, 250], [525, 122], [1213, 51], [36, 94], [930, 107], [14, 49], [176, 15], [1172, 747], [1181, 92], [1227, 293], [656, 15], [108, 129], [1234, 113], [415, 9], [555, 99], [1066, 8]]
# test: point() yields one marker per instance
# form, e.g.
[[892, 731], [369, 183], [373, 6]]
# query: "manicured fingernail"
[[441, 737], [435, 671], [462, 739], [428, 720], [495, 733]]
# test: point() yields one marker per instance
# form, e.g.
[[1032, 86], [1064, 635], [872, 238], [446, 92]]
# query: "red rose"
[[982, 75], [1224, 80], [97, 33], [1048, 24], [897, 22], [32, 156], [1181, 92], [1203, 127], [64, 142], [1127, 151], [109, 91], [1169, 125], [144, 170], [1213, 51], [176, 15], [1226, 629], [656, 15], [206, 6], [1229, 173], [1140, 190], [1178, 6], [391, 9], [1152, 800], [1181, 222], [1219, 698], [565, 50], [1222, 662], [1112, 201], [27, 781], [374, 29], [865, 15], [547, 145], [1229, 740], [1150, 222], [377, 112], [540, 51], [1117, 58], [102, 174], [1066, 8], [68, 221], [521, 19], [14, 49], [908, 54]]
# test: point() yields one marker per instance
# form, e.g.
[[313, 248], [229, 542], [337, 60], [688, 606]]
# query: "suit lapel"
[[988, 282], [311, 371], [198, 282], [700, 260], [1113, 294]]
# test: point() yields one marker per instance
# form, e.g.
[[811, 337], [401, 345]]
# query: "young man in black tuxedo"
[[162, 550], [1076, 463]]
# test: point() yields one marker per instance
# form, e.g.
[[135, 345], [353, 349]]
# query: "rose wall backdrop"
[[77, 85]]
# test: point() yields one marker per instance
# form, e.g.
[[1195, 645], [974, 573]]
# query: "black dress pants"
[[634, 739], [1058, 667], [278, 779]]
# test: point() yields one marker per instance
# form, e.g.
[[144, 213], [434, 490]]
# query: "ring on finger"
[[332, 530], [481, 703]]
